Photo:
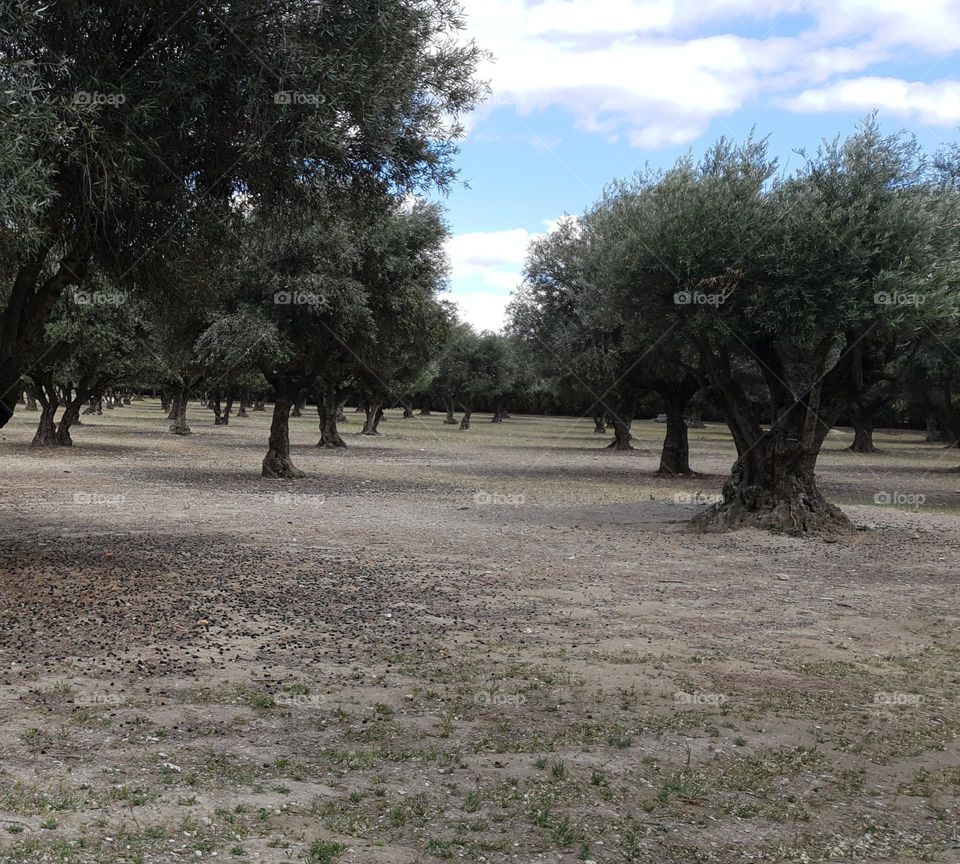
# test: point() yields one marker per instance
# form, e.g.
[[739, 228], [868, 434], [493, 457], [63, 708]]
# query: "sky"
[[585, 91]]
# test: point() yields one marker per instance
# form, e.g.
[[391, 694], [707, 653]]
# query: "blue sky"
[[588, 90]]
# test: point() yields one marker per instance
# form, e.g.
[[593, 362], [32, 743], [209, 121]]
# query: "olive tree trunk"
[[277, 464], [71, 415], [373, 410], [621, 434], [675, 455], [450, 420], [217, 409], [46, 434], [862, 431], [178, 412], [328, 409], [772, 484], [28, 303], [863, 438]]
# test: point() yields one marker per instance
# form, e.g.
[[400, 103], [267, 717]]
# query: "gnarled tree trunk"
[[862, 431], [328, 409], [621, 434], [465, 420], [773, 486], [71, 416], [46, 434], [373, 411], [277, 464], [215, 406], [599, 424], [675, 455], [863, 438], [178, 412], [450, 420]]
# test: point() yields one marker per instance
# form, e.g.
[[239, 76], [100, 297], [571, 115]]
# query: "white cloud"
[[483, 309], [486, 267], [930, 25], [660, 71], [494, 257], [937, 104]]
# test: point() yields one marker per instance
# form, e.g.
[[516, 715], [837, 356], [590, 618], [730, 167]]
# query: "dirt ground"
[[497, 645]]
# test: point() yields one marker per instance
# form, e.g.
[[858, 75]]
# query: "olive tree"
[[94, 340], [402, 268], [473, 370], [580, 305], [790, 276], [130, 115]]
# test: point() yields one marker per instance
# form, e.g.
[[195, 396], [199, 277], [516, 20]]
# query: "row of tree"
[[783, 300], [386, 339], [223, 185]]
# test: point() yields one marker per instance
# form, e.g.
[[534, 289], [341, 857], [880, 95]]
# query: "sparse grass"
[[324, 852]]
